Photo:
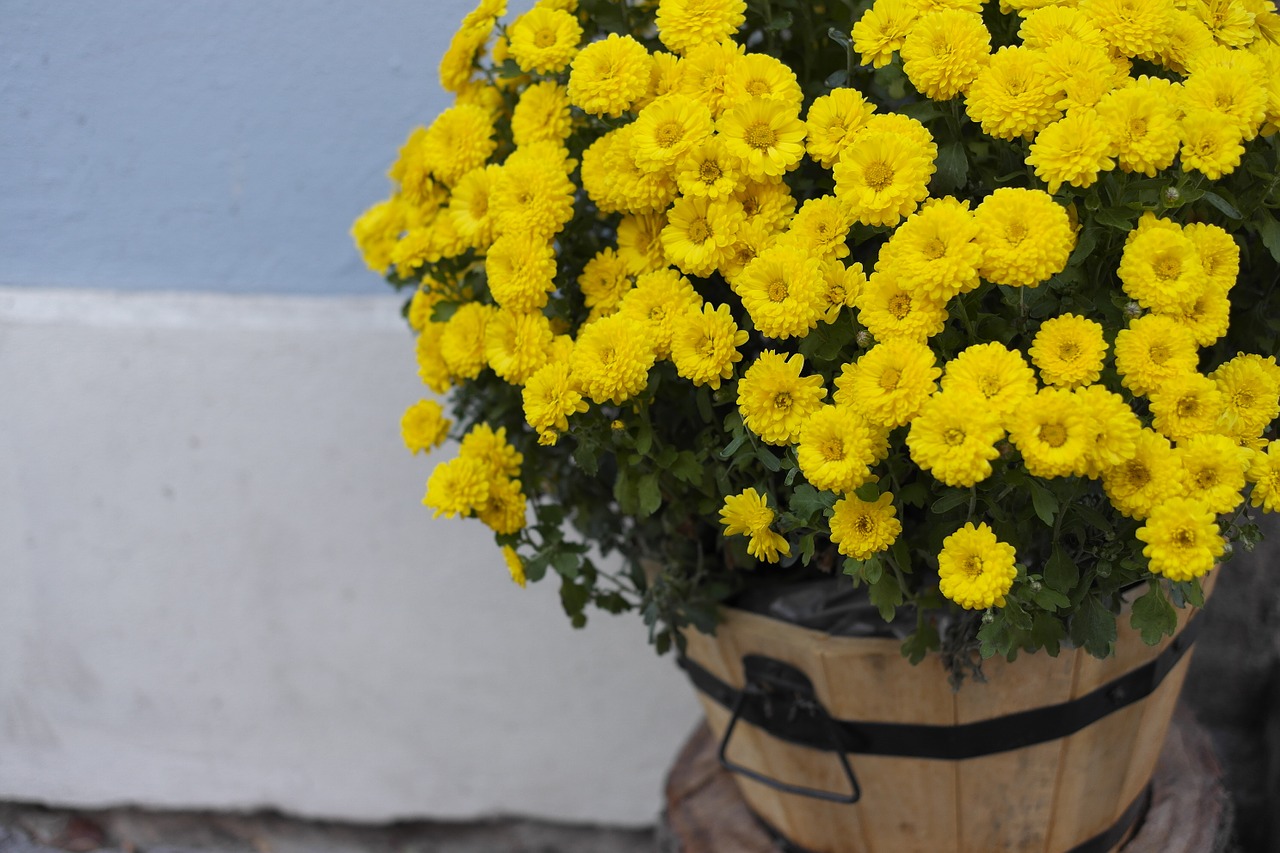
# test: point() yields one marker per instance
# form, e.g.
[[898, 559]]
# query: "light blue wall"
[[162, 145]]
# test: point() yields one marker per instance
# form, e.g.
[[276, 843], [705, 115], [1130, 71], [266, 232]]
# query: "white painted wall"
[[218, 587]]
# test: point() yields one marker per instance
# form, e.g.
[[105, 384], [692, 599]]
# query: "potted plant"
[[969, 309]]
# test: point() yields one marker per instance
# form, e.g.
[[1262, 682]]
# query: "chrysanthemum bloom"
[[1186, 404], [491, 448], [783, 291], [1012, 96], [1132, 27], [998, 376], [1072, 150], [1080, 73], [666, 129], [506, 509], [890, 311], [1264, 473], [686, 24], [531, 195], [609, 76], [1052, 24], [708, 170], [1144, 129], [975, 569], [1183, 540], [775, 400], [1115, 429], [611, 359], [411, 172], [861, 528], [462, 343], [762, 77], [422, 305], [1207, 317], [1152, 350], [457, 487], [1210, 144], [904, 126], [605, 279], [944, 51], [658, 300], [836, 449], [832, 121], [541, 114], [459, 140], [748, 514], [1187, 36], [1213, 470], [749, 241], [844, 285], [640, 242], [936, 251], [954, 437], [1234, 97], [881, 177], [1219, 253], [515, 566], [882, 29], [424, 426], [459, 60], [550, 399], [1052, 431], [544, 40], [1068, 350], [375, 233], [1161, 270], [767, 137], [768, 202], [469, 207], [515, 345], [890, 382], [704, 344], [706, 74], [1025, 236], [1229, 21], [1250, 388], [521, 270], [698, 231], [1146, 479], [615, 183], [821, 228], [432, 368]]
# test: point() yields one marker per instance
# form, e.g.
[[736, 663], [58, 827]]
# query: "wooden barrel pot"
[[839, 744]]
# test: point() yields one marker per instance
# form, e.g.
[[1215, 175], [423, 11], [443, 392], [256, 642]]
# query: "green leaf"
[[1269, 231], [852, 568], [1044, 502], [1224, 206], [806, 501], [1153, 615], [995, 638], [733, 446], [886, 595], [1047, 633], [584, 455], [1114, 218], [1051, 600], [1061, 572], [648, 494], [953, 167], [687, 468], [767, 459], [919, 643], [535, 568], [1016, 615], [872, 570], [837, 79], [950, 500], [780, 22], [644, 437], [1084, 247], [840, 37], [566, 564], [1093, 627]]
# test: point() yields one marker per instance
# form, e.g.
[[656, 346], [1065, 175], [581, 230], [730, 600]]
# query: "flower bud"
[[1132, 311], [1171, 195], [865, 339]]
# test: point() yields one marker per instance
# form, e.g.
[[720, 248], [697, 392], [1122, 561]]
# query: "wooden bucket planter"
[[1049, 755]]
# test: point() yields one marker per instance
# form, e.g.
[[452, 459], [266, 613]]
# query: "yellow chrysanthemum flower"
[[1052, 431], [698, 231], [506, 509], [1068, 350], [1012, 95], [775, 400], [459, 140], [1025, 236], [936, 251], [1132, 27], [836, 449], [1210, 144], [605, 280], [532, 195], [1234, 97], [1186, 404], [640, 242], [1161, 270], [376, 231], [459, 60], [767, 137], [861, 528], [521, 270], [1080, 73], [1264, 473], [944, 51], [821, 227], [615, 183], [998, 376], [832, 121], [469, 207], [881, 177], [1144, 129], [492, 450], [768, 203], [1229, 21], [424, 426], [891, 311], [686, 24], [422, 305], [1250, 388], [658, 300], [516, 345], [667, 129], [762, 77], [954, 437], [704, 344], [708, 170], [844, 285], [749, 241], [1219, 253], [457, 488], [783, 290], [975, 569], [515, 566], [611, 359], [1207, 317], [706, 73], [550, 399], [1188, 36], [462, 342], [1049, 25], [541, 114], [748, 514], [1183, 540], [544, 40], [890, 382], [1213, 470], [1072, 150], [882, 29], [432, 368], [1146, 478], [609, 76], [1152, 350], [1115, 429]]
